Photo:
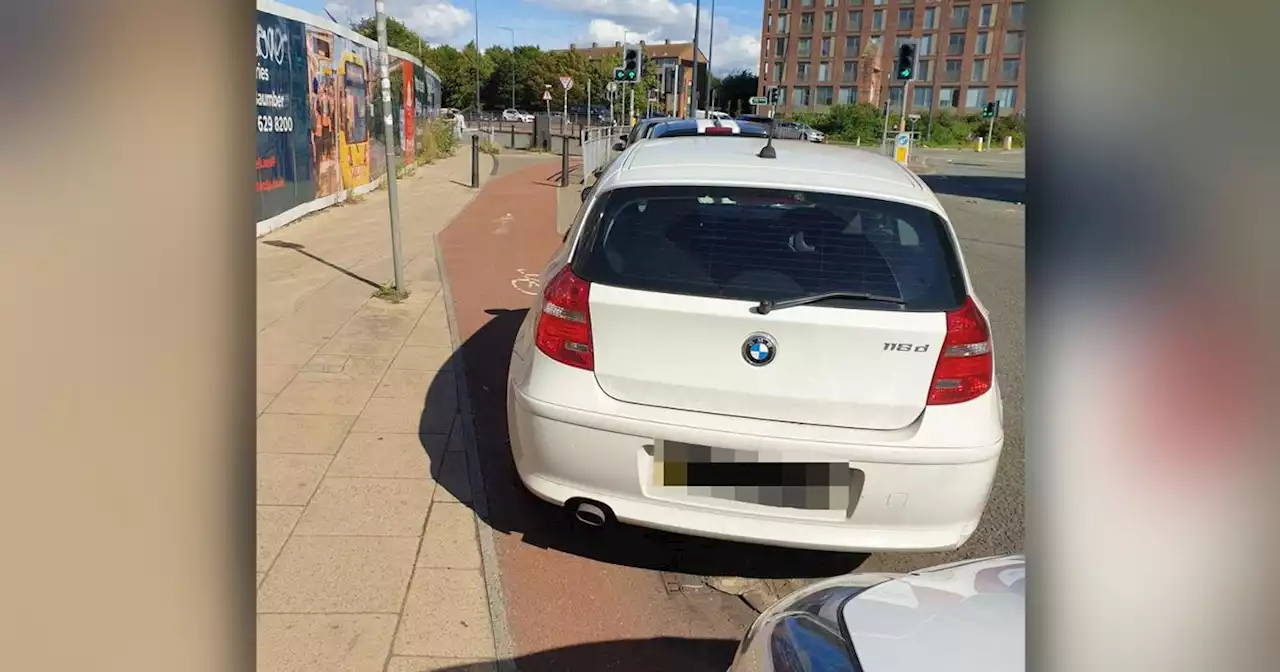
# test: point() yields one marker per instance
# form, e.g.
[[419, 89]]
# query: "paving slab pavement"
[[368, 559]]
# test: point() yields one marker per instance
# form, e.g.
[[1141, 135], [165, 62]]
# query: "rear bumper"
[[909, 499]]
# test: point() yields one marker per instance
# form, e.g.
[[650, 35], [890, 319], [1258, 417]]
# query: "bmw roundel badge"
[[759, 349]]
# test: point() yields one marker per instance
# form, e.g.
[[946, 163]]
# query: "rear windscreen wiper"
[[768, 305]]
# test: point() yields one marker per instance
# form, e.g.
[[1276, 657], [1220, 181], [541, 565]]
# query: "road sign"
[[611, 87], [759, 100], [902, 147], [566, 83], [546, 95]]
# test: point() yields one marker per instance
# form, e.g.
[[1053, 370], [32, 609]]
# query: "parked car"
[[788, 130], [811, 134], [673, 128], [716, 319], [962, 617], [517, 116]]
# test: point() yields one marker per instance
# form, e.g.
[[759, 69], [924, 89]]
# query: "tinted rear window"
[[754, 244]]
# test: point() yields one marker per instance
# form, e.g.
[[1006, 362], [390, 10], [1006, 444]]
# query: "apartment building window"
[[955, 44], [851, 44], [877, 2], [784, 23], [945, 97], [802, 72], [983, 44], [926, 44], [766, 70], [768, 24], [800, 97], [906, 18], [782, 94], [974, 99], [806, 3], [826, 46], [854, 20], [784, 4], [895, 97], [874, 42], [829, 3], [780, 48], [987, 16], [848, 95], [804, 47], [930, 17], [924, 71], [1016, 15], [777, 69], [960, 16], [979, 72], [1007, 97], [952, 73], [825, 95], [824, 72], [828, 22], [855, 3], [1013, 43], [806, 22], [1009, 70], [922, 97], [850, 72], [877, 20]]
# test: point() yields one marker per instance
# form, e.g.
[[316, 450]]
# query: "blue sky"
[[554, 24]]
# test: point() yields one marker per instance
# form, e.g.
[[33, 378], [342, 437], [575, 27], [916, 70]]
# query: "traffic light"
[[906, 62], [631, 63], [773, 95], [619, 74], [988, 110]]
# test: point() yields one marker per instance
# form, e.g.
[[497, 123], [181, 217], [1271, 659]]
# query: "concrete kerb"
[[504, 643]]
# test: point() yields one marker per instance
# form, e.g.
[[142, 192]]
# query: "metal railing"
[[597, 148]]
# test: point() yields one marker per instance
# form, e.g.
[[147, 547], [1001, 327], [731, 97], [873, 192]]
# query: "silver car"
[[962, 617]]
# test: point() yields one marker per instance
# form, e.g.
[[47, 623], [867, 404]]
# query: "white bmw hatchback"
[[786, 351]]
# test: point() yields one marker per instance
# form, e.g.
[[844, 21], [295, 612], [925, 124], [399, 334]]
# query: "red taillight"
[[718, 130], [564, 325], [964, 366]]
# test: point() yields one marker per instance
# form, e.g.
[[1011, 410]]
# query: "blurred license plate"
[[746, 476]]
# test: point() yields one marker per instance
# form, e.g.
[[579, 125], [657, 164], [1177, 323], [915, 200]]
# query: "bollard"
[[475, 161], [979, 144], [564, 163], [1008, 142], [513, 135]]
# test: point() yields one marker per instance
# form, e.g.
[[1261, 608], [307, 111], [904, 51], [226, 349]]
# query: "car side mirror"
[[623, 137], [586, 193], [619, 146]]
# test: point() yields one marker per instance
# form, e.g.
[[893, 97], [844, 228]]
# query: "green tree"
[[733, 92], [399, 36]]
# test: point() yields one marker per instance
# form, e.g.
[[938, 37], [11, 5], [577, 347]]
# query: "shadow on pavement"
[[512, 509], [661, 653], [1006, 189], [297, 247]]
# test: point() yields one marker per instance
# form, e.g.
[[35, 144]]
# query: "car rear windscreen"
[[756, 244]]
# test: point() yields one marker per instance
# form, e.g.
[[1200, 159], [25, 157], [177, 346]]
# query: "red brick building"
[[829, 52]]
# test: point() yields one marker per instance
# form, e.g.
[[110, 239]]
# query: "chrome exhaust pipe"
[[591, 514]]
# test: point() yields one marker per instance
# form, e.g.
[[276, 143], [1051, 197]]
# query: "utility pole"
[[388, 129], [902, 121], [711, 50], [693, 90], [513, 64], [589, 114], [632, 119], [477, 17]]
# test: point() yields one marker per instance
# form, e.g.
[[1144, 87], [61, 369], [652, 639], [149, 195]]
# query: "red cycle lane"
[[576, 598]]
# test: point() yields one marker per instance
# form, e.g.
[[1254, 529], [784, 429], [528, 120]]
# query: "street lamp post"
[[693, 89], [711, 50], [477, 17], [513, 64]]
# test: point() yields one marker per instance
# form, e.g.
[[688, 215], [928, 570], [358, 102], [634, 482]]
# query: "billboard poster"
[[318, 133]]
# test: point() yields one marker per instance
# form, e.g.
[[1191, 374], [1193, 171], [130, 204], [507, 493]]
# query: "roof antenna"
[[768, 152]]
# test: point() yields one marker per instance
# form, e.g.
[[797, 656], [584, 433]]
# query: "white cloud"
[[605, 31], [735, 53], [437, 21]]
